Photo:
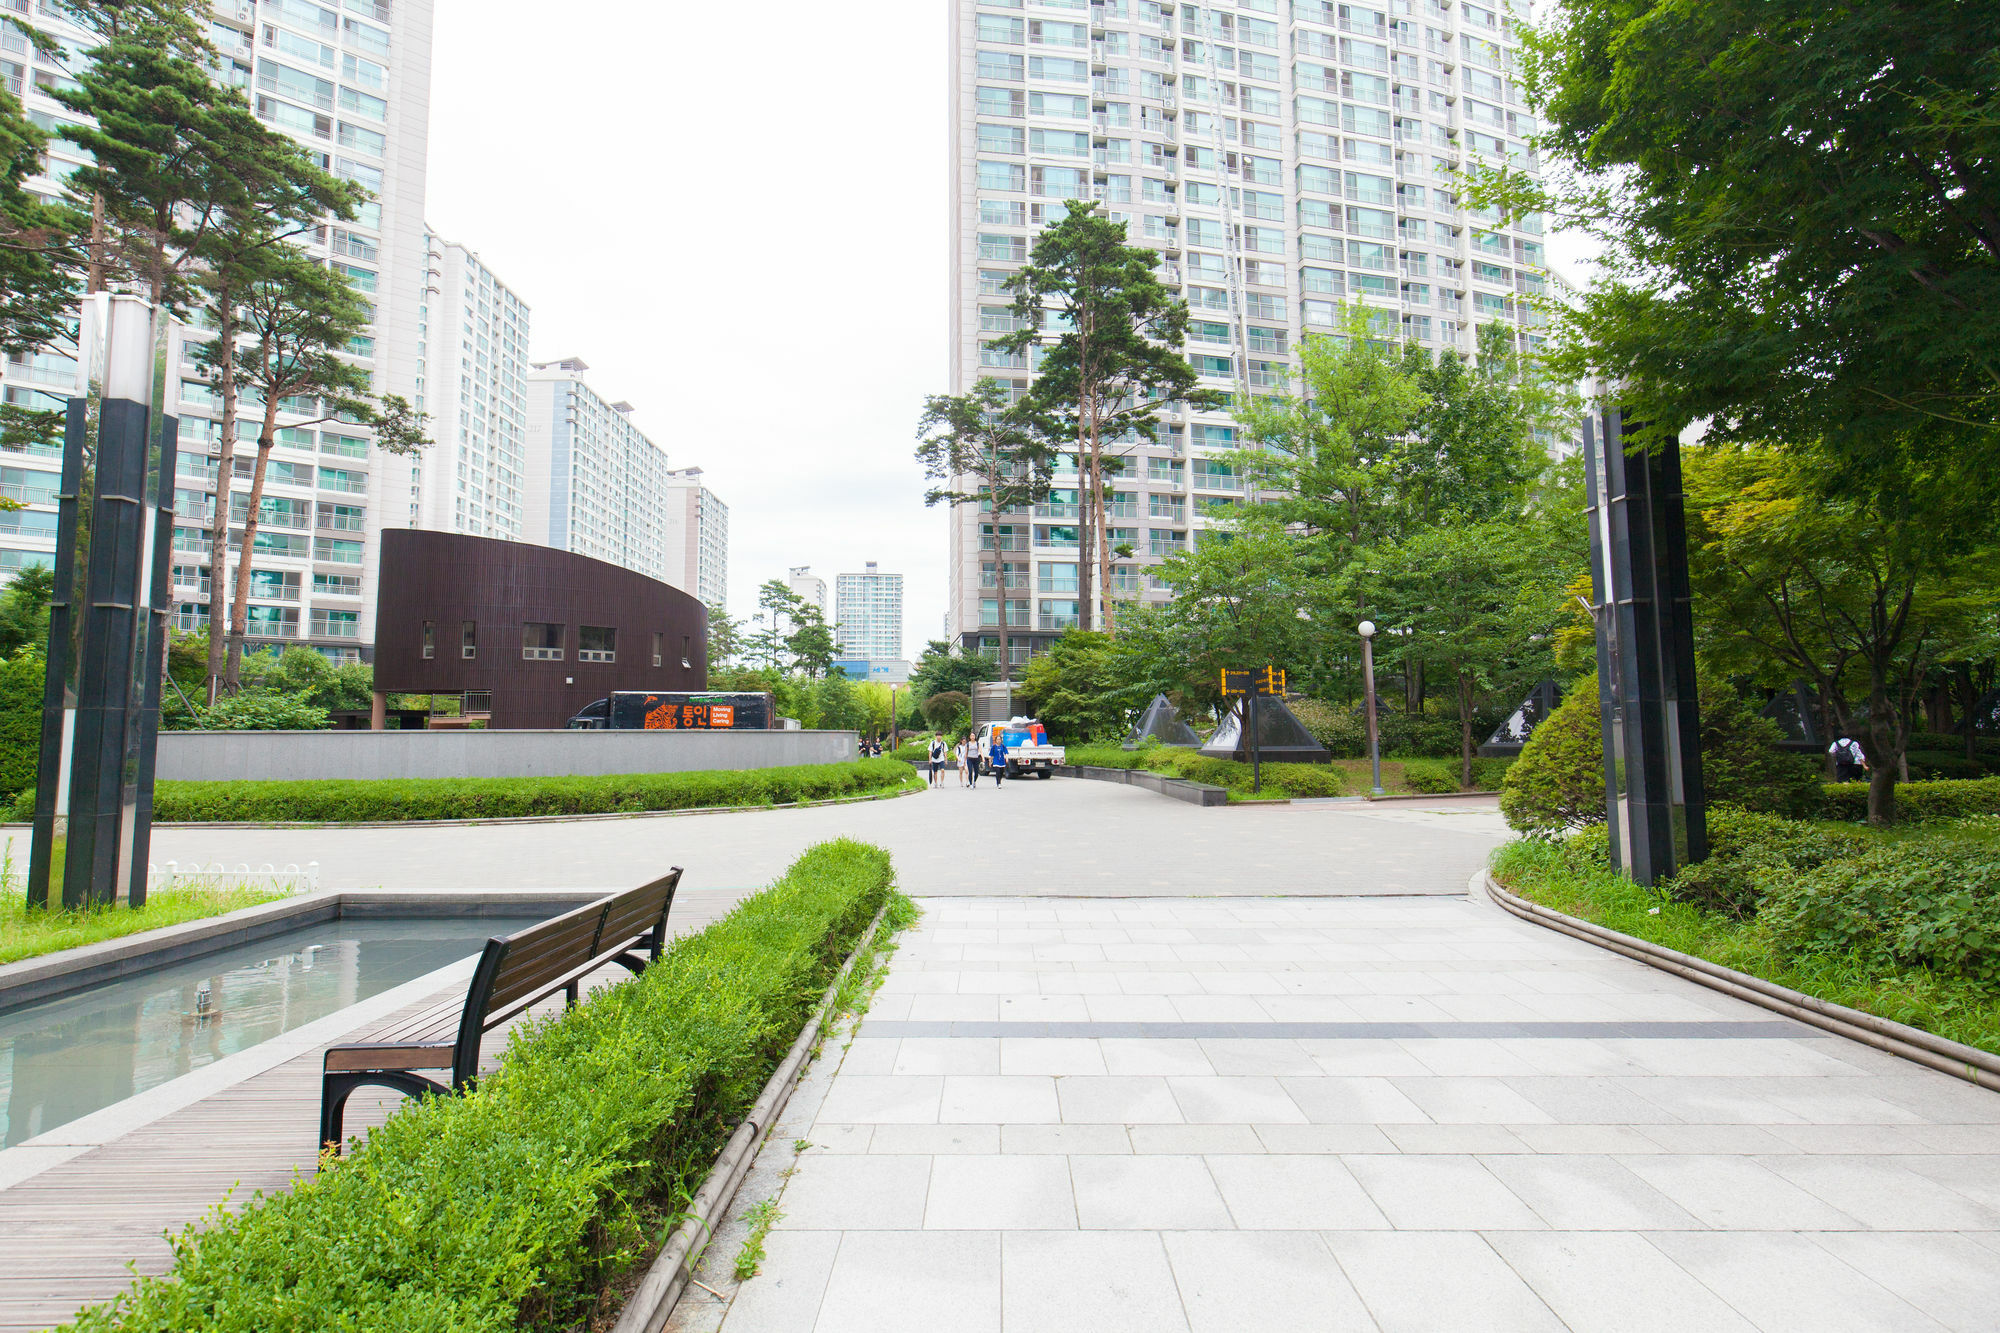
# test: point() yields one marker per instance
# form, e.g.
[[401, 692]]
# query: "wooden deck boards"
[[72, 1230]]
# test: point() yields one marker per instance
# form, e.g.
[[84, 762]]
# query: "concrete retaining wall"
[[215, 756], [1194, 793]]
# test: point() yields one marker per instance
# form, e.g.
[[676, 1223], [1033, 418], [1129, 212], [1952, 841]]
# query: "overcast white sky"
[[737, 215], [742, 234]]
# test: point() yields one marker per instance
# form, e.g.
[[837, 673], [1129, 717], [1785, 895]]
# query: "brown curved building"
[[541, 632]]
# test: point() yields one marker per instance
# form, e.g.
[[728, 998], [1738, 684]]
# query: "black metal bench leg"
[[336, 1088]]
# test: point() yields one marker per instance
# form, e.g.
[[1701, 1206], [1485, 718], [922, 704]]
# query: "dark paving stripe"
[[1720, 1031]]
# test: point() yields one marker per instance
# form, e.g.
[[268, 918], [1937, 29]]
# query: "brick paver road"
[[1322, 1114]]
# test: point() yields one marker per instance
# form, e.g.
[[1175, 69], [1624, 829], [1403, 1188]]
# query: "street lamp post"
[[1367, 631]]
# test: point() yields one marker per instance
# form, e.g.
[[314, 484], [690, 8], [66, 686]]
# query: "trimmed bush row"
[[509, 1208], [1436, 777], [1917, 802], [493, 798], [1180, 762]]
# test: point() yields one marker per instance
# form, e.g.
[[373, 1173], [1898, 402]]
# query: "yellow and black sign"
[[1268, 680]]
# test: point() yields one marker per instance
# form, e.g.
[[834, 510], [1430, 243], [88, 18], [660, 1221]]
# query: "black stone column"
[[107, 628], [1654, 797]]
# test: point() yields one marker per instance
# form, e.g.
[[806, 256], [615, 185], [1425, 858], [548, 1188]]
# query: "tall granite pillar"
[[1645, 651]]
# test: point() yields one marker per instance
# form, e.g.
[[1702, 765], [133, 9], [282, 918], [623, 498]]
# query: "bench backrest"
[[520, 969]]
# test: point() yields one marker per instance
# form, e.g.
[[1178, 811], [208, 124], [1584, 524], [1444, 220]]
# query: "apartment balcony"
[[1055, 622], [1056, 511]]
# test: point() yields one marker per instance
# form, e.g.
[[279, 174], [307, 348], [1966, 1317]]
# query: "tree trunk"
[[218, 525], [239, 611], [95, 279], [1086, 511], [1882, 794], [1000, 575], [1465, 731]]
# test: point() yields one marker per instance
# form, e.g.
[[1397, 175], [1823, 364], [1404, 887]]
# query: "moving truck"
[[679, 710]]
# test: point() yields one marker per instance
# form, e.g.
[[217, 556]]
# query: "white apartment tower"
[[869, 611], [807, 586], [697, 537], [1281, 156], [350, 81], [596, 484], [473, 338]]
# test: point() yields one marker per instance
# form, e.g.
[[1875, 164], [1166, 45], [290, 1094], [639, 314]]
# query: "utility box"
[[992, 702]]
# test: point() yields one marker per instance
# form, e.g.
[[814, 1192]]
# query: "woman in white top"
[[958, 754]]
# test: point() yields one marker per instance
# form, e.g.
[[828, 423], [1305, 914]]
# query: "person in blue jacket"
[[996, 758]]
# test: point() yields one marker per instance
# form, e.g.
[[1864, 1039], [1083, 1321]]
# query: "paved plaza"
[[1059, 836], [1320, 1114]]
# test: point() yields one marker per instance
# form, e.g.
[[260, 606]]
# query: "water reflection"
[[66, 1058]]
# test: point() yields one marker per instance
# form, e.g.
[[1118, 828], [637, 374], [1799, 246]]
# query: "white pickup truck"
[[1028, 748]]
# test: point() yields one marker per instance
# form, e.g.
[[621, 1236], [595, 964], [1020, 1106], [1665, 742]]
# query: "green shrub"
[[1558, 782], [1749, 852], [21, 680], [510, 1208], [1424, 735], [1430, 776], [1343, 731], [1307, 780], [347, 801], [1944, 765], [1916, 802], [1897, 905]]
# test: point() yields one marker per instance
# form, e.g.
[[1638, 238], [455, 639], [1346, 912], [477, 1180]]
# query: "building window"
[[594, 643], [687, 659], [542, 642], [659, 642], [468, 646], [430, 640]]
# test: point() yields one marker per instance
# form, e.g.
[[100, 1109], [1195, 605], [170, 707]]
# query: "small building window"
[[659, 642], [686, 660], [541, 642], [430, 640], [468, 647], [594, 643]]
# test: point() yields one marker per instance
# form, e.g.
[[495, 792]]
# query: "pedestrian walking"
[[972, 758], [1850, 761], [937, 758], [958, 757], [997, 758]]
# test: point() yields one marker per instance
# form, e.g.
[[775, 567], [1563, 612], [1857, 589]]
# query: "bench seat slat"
[[401, 1055]]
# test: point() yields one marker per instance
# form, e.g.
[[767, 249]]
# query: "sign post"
[[1250, 686]]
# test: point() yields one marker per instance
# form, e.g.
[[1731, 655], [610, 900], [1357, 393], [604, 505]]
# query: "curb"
[[885, 795], [1913, 1044], [1440, 796], [652, 1301], [1194, 793]]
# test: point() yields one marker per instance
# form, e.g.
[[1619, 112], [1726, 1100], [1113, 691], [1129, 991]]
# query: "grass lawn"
[[1953, 1007], [27, 934]]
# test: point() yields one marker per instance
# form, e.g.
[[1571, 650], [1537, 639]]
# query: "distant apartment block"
[[808, 587], [869, 615], [596, 485], [473, 337], [697, 537]]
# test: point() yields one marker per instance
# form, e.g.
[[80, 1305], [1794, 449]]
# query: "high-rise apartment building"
[[1282, 157], [696, 537], [807, 586], [596, 484], [352, 83], [869, 614], [473, 383]]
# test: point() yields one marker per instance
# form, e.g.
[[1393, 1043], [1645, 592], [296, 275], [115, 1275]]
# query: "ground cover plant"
[[341, 801], [511, 1207], [26, 933], [1897, 923]]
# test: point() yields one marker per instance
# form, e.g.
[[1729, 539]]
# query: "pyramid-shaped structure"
[[1161, 722], [1281, 737], [1507, 739]]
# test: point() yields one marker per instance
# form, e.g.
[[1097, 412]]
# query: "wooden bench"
[[514, 972]]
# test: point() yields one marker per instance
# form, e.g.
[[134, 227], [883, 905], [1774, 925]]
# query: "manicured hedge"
[[1917, 802], [492, 798], [1182, 762], [511, 1207], [1440, 776]]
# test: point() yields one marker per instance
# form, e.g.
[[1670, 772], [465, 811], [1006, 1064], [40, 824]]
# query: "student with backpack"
[[937, 758], [1850, 761]]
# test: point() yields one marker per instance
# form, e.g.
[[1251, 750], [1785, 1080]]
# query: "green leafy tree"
[[1865, 596], [943, 709], [285, 194], [841, 707], [22, 675], [1472, 447], [299, 323], [1457, 598], [1241, 601], [1080, 688], [24, 611], [38, 279], [1800, 209], [1108, 333], [725, 638], [939, 668], [981, 438], [811, 641]]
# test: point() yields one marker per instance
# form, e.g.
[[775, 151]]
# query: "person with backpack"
[[1850, 761], [997, 757], [937, 758]]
